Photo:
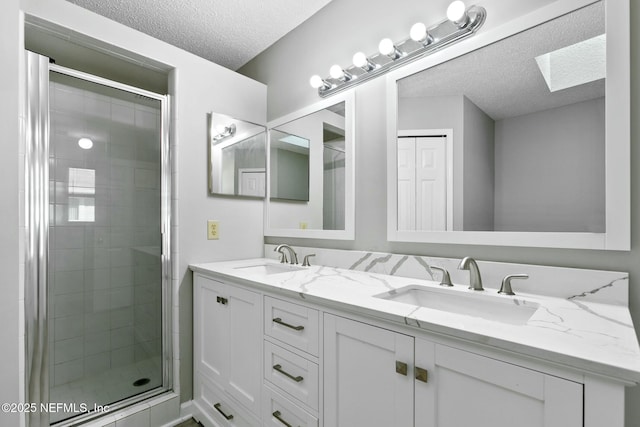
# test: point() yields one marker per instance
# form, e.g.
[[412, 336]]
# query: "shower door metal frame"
[[37, 238]]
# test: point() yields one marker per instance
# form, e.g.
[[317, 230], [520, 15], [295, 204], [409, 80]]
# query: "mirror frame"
[[348, 233], [618, 135]]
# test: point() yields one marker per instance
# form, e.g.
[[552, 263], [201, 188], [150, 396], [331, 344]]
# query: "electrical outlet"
[[213, 230], [303, 225]]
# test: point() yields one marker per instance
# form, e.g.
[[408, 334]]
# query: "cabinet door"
[[210, 330], [361, 385], [244, 346], [467, 389]]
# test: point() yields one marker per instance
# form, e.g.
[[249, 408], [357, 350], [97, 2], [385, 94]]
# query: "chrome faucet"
[[292, 254], [475, 281]]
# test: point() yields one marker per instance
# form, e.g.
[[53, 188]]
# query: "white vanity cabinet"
[[378, 377], [265, 356], [227, 351], [291, 366]]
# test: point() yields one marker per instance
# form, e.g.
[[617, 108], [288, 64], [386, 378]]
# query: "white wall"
[[197, 87], [11, 369], [290, 91]]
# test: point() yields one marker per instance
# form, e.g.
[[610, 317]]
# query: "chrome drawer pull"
[[288, 375], [277, 414], [280, 322], [227, 417]]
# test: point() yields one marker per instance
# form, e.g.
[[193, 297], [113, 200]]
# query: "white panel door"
[[361, 384], [211, 330], [431, 183], [406, 184], [467, 389], [244, 346]]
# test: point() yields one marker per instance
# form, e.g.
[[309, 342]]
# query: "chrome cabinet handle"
[[221, 300], [401, 368], [227, 417], [288, 375], [280, 322], [422, 374], [278, 417]]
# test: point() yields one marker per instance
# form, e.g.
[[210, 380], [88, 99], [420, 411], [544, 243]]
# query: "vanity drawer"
[[291, 323], [278, 411], [291, 373], [221, 407]]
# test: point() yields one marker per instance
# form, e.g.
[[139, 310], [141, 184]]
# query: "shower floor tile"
[[107, 387]]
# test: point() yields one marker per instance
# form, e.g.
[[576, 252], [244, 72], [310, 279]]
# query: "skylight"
[[574, 65]]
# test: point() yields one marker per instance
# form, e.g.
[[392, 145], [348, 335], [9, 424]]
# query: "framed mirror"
[[311, 172], [237, 157], [521, 140]]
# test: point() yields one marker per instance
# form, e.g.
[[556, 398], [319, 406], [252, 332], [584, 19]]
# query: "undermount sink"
[[477, 304], [269, 268]]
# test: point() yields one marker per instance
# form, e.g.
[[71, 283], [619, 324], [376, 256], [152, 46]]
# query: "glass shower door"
[[105, 275]]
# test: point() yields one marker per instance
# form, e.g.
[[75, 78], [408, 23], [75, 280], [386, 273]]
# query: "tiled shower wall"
[[105, 273]]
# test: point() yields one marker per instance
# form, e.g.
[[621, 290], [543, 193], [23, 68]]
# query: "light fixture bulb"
[[360, 59], [418, 32], [316, 81], [457, 13], [386, 47], [85, 143], [336, 72]]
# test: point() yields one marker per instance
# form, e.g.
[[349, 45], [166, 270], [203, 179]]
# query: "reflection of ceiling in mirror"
[[338, 108], [503, 79]]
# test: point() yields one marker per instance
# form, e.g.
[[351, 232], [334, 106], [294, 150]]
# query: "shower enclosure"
[[97, 294]]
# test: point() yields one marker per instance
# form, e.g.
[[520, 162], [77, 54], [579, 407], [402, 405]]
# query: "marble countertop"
[[590, 336]]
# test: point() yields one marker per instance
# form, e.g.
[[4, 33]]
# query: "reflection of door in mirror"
[[422, 182], [237, 157], [251, 181], [528, 122]]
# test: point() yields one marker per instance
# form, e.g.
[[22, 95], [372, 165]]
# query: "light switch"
[[213, 230]]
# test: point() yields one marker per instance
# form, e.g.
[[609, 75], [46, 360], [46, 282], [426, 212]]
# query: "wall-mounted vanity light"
[[222, 132], [461, 22], [85, 143]]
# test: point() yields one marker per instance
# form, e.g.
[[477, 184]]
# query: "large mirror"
[[311, 172], [508, 143], [237, 157]]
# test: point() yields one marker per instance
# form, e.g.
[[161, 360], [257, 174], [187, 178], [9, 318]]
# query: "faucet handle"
[[283, 258], [305, 261], [505, 289], [446, 279]]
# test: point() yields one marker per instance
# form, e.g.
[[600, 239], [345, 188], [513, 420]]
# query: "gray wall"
[[9, 257], [478, 136], [550, 170], [290, 91]]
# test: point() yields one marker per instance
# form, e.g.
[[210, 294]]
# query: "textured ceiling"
[[503, 79], [227, 32]]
